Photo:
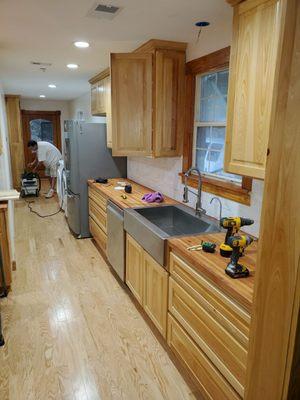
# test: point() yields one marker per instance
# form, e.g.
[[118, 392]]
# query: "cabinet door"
[[4, 247], [156, 293], [169, 102], [252, 70], [101, 97], [131, 80], [108, 112], [94, 102], [134, 268]]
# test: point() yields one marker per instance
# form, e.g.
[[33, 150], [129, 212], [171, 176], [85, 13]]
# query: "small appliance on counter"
[[86, 157]]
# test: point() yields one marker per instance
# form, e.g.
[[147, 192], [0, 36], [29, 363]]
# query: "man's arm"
[[34, 164]]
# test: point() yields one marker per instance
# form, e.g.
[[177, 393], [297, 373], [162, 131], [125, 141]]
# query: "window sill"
[[220, 188]]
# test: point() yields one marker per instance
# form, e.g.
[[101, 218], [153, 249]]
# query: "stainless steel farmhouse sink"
[[152, 226]]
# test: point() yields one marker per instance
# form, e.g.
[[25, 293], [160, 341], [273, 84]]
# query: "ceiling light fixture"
[[42, 96], [72, 66], [82, 45], [52, 86]]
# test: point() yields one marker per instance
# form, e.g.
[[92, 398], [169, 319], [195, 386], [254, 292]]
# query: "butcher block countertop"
[[212, 266], [134, 199]]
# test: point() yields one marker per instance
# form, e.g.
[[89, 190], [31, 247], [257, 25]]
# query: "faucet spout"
[[220, 205], [199, 209]]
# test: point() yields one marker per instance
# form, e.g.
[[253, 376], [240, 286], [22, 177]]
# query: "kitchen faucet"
[[220, 204], [186, 190]]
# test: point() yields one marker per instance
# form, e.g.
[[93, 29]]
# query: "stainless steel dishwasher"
[[116, 238]]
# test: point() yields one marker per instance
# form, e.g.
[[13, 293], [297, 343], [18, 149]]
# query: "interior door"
[[40, 125], [131, 96]]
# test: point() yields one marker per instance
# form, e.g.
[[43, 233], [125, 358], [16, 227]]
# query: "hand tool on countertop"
[[232, 224], [238, 245], [207, 247]]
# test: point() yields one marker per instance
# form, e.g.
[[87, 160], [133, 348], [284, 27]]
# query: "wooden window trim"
[[209, 63]]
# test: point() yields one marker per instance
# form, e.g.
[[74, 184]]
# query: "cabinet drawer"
[[98, 234], [230, 315], [97, 214], [219, 346], [213, 384], [98, 198]]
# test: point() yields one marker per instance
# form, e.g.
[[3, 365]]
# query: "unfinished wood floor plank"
[[71, 330]]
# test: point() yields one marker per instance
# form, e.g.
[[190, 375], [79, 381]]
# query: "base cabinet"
[[134, 269], [148, 282], [213, 385], [155, 293], [97, 218]]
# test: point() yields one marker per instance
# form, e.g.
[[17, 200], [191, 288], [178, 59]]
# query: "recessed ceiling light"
[[42, 96], [52, 86], [72, 66], [82, 45]]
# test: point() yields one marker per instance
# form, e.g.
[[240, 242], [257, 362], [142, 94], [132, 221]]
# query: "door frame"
[[57, 126]]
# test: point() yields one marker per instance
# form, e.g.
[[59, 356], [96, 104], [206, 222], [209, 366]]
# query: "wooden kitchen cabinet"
[[135, 269], [213, 385], [98, 217], [4, 244], [101, 100], [16, 144], [155, 293], [148, 282], [148, 100], [204, 322], [256, 27]]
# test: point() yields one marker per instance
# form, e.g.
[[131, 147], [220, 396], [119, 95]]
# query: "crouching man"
[[49, 155]]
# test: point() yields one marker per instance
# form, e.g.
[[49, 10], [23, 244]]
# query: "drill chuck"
[[246, 221]]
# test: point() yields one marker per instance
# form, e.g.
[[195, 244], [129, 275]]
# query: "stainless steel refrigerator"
[[86, 157]]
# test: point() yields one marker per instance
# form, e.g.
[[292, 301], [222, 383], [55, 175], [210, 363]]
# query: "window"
[[210, 124]]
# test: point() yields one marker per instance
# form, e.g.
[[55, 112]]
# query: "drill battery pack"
[[237, 271]]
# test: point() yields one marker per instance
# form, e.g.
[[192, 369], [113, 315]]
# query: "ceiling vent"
[[107, 11], [41, 64]]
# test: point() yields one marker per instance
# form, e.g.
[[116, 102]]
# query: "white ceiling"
[[44, 30]]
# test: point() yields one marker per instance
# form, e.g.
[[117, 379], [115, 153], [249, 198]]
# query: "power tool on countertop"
[[238, 245], [232, 224]]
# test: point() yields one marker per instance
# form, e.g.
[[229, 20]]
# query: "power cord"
[[38, 214]]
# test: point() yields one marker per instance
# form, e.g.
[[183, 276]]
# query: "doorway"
[[40, 125]]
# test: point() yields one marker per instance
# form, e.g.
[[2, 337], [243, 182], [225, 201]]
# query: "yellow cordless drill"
[[232, 224], [238, 245]]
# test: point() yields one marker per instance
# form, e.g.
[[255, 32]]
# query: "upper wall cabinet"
[[101, 100], [254, 49], [148, 100]]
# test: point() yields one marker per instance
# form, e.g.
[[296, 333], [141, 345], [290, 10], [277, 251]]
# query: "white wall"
[[83, 105], [162, 174], [5, 170]]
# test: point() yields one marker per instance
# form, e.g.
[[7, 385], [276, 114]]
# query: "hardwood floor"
[[71, 330]]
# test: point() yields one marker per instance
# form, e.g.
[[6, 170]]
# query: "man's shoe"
[[50, 194]]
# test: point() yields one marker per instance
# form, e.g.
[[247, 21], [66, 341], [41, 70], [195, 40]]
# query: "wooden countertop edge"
[[101, 188], [234, 294]]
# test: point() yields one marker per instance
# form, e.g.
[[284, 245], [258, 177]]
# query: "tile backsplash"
[[161, 174]]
